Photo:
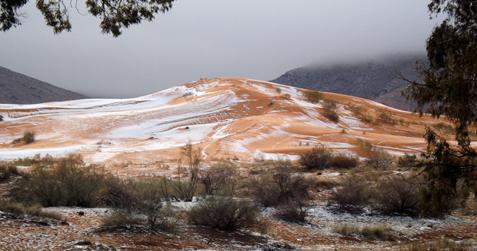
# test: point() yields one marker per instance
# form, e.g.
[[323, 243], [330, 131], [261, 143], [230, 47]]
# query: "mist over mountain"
[[16, 88], [378, 79]]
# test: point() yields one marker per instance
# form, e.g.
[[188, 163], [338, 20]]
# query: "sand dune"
[[235, 118]]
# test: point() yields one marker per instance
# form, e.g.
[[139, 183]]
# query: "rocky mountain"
[[16, 88], [379, 79]]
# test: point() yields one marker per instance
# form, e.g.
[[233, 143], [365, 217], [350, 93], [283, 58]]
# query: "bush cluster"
[[288, 193], [7, 171], [67, 182], [320, 158], [395, 195], [224, 213]]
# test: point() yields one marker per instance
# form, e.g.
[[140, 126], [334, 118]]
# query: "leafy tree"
[[114, 14], [449, 88], [450, 81]]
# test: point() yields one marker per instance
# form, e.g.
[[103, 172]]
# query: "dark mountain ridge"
[[17, 88], [379, 80]]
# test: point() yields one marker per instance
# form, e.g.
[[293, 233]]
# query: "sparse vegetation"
[[329, 111], [377, 158], [317, 159], [438, 245], [343, 161], [385, 118], [32, 210], [281, 188], [219, 179], [27, 138], [224, 213], [320, 158], [292, 212], [352, 195], [313, 96], [7, 171], [372, 232], [361, 114], [396, 195], [408, 160], [67, 182]]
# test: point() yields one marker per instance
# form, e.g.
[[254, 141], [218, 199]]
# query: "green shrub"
[[224, 213], [313, 96]]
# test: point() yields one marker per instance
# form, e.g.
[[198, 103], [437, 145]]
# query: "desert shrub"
[[280, 188], [148, 200], [31, 210], [377, 158], [438, 245], [37, 160], [373, 232], [224, 213], [7, 171], [343, 161], [329, 111], [436, 199], [27, 138], [67, 182], [408, 160], [352, 196], [292, 212], [313, 96], [119, 219], [143, 202], [191, 158], [361, 113], [397, 195], [385, 118], [318, 158], [219, 178]]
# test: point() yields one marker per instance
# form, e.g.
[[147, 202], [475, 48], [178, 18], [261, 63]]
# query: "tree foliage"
[[450, 81], [449, 89], [114, 14]]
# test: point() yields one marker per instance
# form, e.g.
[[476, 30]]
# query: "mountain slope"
[[228, 118], [16, 88], [379, 80]]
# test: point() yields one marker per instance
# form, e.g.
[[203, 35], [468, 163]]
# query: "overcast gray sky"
[[203, 38]]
